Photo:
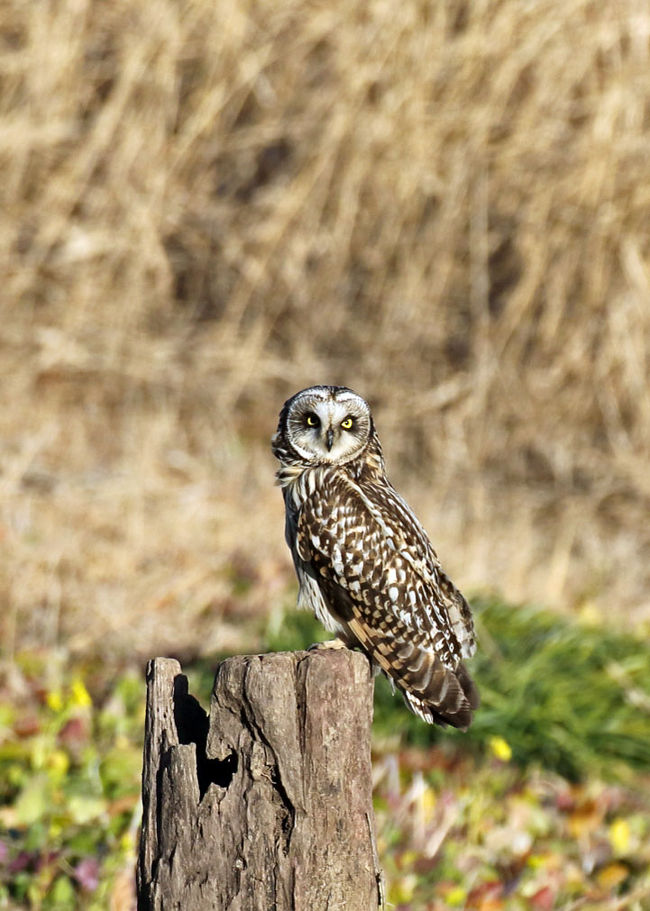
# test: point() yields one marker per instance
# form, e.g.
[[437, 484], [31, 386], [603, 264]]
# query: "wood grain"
[[266, 804]]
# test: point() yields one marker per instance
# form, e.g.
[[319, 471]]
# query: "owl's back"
[[369, 563]]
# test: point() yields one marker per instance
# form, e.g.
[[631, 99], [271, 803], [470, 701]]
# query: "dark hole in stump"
[[192, 725]]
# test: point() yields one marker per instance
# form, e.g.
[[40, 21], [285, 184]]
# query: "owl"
[[364, 563]]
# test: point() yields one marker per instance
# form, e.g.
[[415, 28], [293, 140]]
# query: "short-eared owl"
[[364, 563]]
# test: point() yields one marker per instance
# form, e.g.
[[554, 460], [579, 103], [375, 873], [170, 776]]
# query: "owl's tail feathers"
[[435, 692], [450, 698]]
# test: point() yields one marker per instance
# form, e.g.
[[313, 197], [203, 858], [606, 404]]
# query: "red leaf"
[[543, 899]]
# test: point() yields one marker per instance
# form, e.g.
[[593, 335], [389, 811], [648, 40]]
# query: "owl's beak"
[[329, 439]]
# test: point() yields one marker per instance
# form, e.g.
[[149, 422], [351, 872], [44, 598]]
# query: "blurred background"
[[206, 206], [209, 205]]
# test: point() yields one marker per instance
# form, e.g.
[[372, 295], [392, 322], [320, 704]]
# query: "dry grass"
[[206, 205]]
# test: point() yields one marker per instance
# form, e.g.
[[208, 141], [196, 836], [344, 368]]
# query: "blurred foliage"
[[206, 205], [569, 697], [69, 790], [544, 800], [454, 832]]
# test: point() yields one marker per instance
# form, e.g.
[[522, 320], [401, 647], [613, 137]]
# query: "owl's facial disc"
[[328, 424]]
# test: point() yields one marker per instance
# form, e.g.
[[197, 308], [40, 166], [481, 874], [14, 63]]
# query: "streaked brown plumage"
[[364, 563]]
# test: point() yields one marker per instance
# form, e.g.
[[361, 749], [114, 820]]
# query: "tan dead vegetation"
[[208, 204]]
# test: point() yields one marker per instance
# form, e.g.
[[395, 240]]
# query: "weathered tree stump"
[[267, 804]]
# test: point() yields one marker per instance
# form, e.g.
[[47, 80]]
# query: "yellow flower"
[[619, 836], [79, 694], [127, 843], [58, 762], [54, 700], [501, 749], [456, 896]]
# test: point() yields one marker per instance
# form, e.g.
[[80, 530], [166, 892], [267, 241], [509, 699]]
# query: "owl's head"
[[323, 424]]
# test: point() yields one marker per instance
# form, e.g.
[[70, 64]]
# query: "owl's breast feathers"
[[381, 578]]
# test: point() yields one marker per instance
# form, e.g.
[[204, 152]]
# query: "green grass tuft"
[[571, 698]]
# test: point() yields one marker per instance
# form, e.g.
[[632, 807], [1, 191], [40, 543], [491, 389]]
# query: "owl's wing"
[[414, 544], [380, 577]]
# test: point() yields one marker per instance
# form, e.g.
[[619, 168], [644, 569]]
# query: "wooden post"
[[267, 804]]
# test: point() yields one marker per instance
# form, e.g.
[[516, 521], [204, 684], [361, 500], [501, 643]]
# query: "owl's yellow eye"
[[312, 420], [347, 424]]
